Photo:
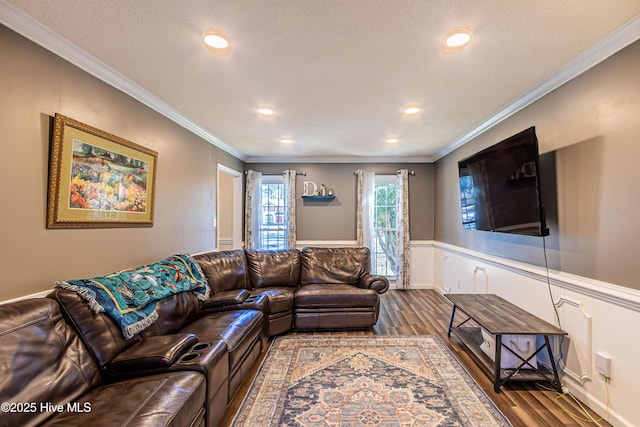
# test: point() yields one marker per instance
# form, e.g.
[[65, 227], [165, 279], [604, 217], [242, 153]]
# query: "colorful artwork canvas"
[[97, 179]]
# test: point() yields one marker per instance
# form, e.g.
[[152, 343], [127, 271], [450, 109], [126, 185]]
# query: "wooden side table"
[[499, 317]]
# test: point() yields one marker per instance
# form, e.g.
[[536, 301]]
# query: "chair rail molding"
[[42, 294], [608, 292]]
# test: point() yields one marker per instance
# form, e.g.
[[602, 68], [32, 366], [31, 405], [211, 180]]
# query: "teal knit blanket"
[[129, 297]]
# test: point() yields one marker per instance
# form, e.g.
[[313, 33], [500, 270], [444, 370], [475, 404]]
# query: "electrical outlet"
[[603, 365]]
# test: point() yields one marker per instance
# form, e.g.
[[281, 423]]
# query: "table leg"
[[553, 365], [498, 363], [453, 313]]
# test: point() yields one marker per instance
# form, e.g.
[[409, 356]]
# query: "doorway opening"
[[229, 209]]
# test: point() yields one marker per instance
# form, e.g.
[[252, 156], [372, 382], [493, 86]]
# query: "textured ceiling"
[[338, 72]]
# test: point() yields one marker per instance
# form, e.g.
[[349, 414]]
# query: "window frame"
[[280, 228], [382, 180]]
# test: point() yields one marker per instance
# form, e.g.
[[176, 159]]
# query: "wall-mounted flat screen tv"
[[500, 187]]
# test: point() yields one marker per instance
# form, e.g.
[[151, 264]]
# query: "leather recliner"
[[48, 377], [264, 280], [276, 275], [229, 343], [337, 290]]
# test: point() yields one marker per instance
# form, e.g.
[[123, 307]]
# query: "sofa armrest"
[[377, 283], [257, 302], [158, 351], [226, 298]]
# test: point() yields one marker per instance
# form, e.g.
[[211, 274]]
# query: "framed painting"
[[98, 180]]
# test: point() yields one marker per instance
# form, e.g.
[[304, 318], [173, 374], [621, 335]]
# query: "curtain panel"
[[252, 210], [365, 188], [290, 208], [402, 205]]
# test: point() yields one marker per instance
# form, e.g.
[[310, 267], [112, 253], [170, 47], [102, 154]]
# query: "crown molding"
[[603, 49], [25, 25], [344, 159], [33, 30]]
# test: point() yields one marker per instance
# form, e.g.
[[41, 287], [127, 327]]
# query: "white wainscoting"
[[599, 317], [579, 353], [225, 243], [422, 264]]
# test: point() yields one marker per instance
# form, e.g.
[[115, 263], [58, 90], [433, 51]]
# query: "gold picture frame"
[[98, 180]]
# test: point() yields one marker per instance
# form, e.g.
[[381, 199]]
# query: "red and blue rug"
[[316, 380]]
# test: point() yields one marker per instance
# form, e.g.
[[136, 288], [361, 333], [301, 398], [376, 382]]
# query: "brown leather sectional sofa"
[[312, 289], [63, 364]]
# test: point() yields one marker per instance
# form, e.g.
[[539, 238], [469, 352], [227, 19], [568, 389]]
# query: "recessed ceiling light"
[[412, 109], [216, 41], [286, 140], [392, 140], [458, 38], [267, 111]]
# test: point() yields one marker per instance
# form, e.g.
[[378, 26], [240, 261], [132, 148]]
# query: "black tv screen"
[[500, 187]]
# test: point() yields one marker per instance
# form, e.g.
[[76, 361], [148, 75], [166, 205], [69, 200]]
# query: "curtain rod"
[[388, 173], [297, 173]]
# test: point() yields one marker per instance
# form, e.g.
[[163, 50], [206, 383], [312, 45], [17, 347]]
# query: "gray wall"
[[592, 125], [35, 85], [336, 220]]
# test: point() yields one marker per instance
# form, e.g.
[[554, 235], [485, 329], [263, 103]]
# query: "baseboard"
[[416, 286], [611, 416]]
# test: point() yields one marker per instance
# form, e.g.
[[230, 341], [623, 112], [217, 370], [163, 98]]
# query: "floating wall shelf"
[[318, 197]]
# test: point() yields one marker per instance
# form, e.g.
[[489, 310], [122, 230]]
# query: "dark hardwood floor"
[[427, 312]]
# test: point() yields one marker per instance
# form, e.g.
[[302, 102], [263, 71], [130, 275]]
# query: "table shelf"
[[499, 317], [471, 338]]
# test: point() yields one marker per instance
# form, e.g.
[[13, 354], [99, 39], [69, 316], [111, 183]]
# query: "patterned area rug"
[[315, 380]]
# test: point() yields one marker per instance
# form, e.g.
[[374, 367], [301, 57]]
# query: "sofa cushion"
[[225, 270], [327, 296], [98, 331], [41, 360], [174, 312], [274, 268], [334, 265], [172, 399]]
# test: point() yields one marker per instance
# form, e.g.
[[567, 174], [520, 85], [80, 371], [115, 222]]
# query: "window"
[[467, 200], [384, 251], [272, 215]]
